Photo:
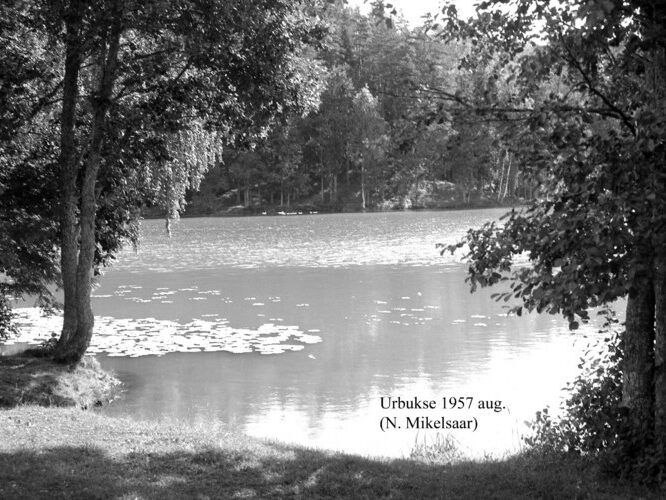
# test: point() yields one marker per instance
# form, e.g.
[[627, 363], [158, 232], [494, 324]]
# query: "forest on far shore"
[[377, 135]]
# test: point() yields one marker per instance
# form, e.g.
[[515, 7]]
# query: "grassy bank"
[[48, 451], [69, 453], [26, 379]]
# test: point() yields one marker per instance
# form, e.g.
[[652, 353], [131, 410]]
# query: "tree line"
[[376, 135]]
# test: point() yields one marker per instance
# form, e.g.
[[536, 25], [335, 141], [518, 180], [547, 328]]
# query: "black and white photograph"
[[346, 249]]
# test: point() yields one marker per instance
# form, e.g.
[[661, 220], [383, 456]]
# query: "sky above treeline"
[[413, 10]]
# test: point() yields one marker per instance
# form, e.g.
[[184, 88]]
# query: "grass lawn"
[[71, 453]]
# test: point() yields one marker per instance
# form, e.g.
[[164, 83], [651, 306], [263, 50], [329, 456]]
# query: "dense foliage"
[[7, 327], [109, 105], [591, 416], [592, 421], [376, 136], [586, 119]]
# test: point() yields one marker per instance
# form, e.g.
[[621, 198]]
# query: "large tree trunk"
[[660, 352], [655, 81], [638, 360], [69, 169], [78, 341]]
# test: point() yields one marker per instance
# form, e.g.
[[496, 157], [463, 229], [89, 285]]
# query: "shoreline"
[[306, 209], [71, 453], [56, 447]]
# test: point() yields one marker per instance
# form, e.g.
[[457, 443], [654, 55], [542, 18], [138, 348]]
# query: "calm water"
[[293, 328]]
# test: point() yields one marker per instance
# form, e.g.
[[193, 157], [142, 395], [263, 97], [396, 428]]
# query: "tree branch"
[[590, 86]]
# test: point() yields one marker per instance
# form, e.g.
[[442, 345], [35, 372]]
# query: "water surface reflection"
[[410, 332], [293, 328]]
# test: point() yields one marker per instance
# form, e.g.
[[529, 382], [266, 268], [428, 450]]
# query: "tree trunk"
[[638, 361], [508, 177], [660, 352], [501, 181], [362, 187], [76, 345], [68, 171]]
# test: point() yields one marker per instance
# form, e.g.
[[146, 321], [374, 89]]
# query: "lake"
[[320, 330]]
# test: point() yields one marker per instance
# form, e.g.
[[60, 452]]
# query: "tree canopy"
[[404, 69], [111, 104], [586, 120]]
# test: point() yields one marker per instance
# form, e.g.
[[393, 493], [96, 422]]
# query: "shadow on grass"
[[26, 379], [88, 472]]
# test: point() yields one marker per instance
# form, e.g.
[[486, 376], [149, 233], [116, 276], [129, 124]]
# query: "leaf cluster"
[[593, 146], [592, 422], [192, 77]]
